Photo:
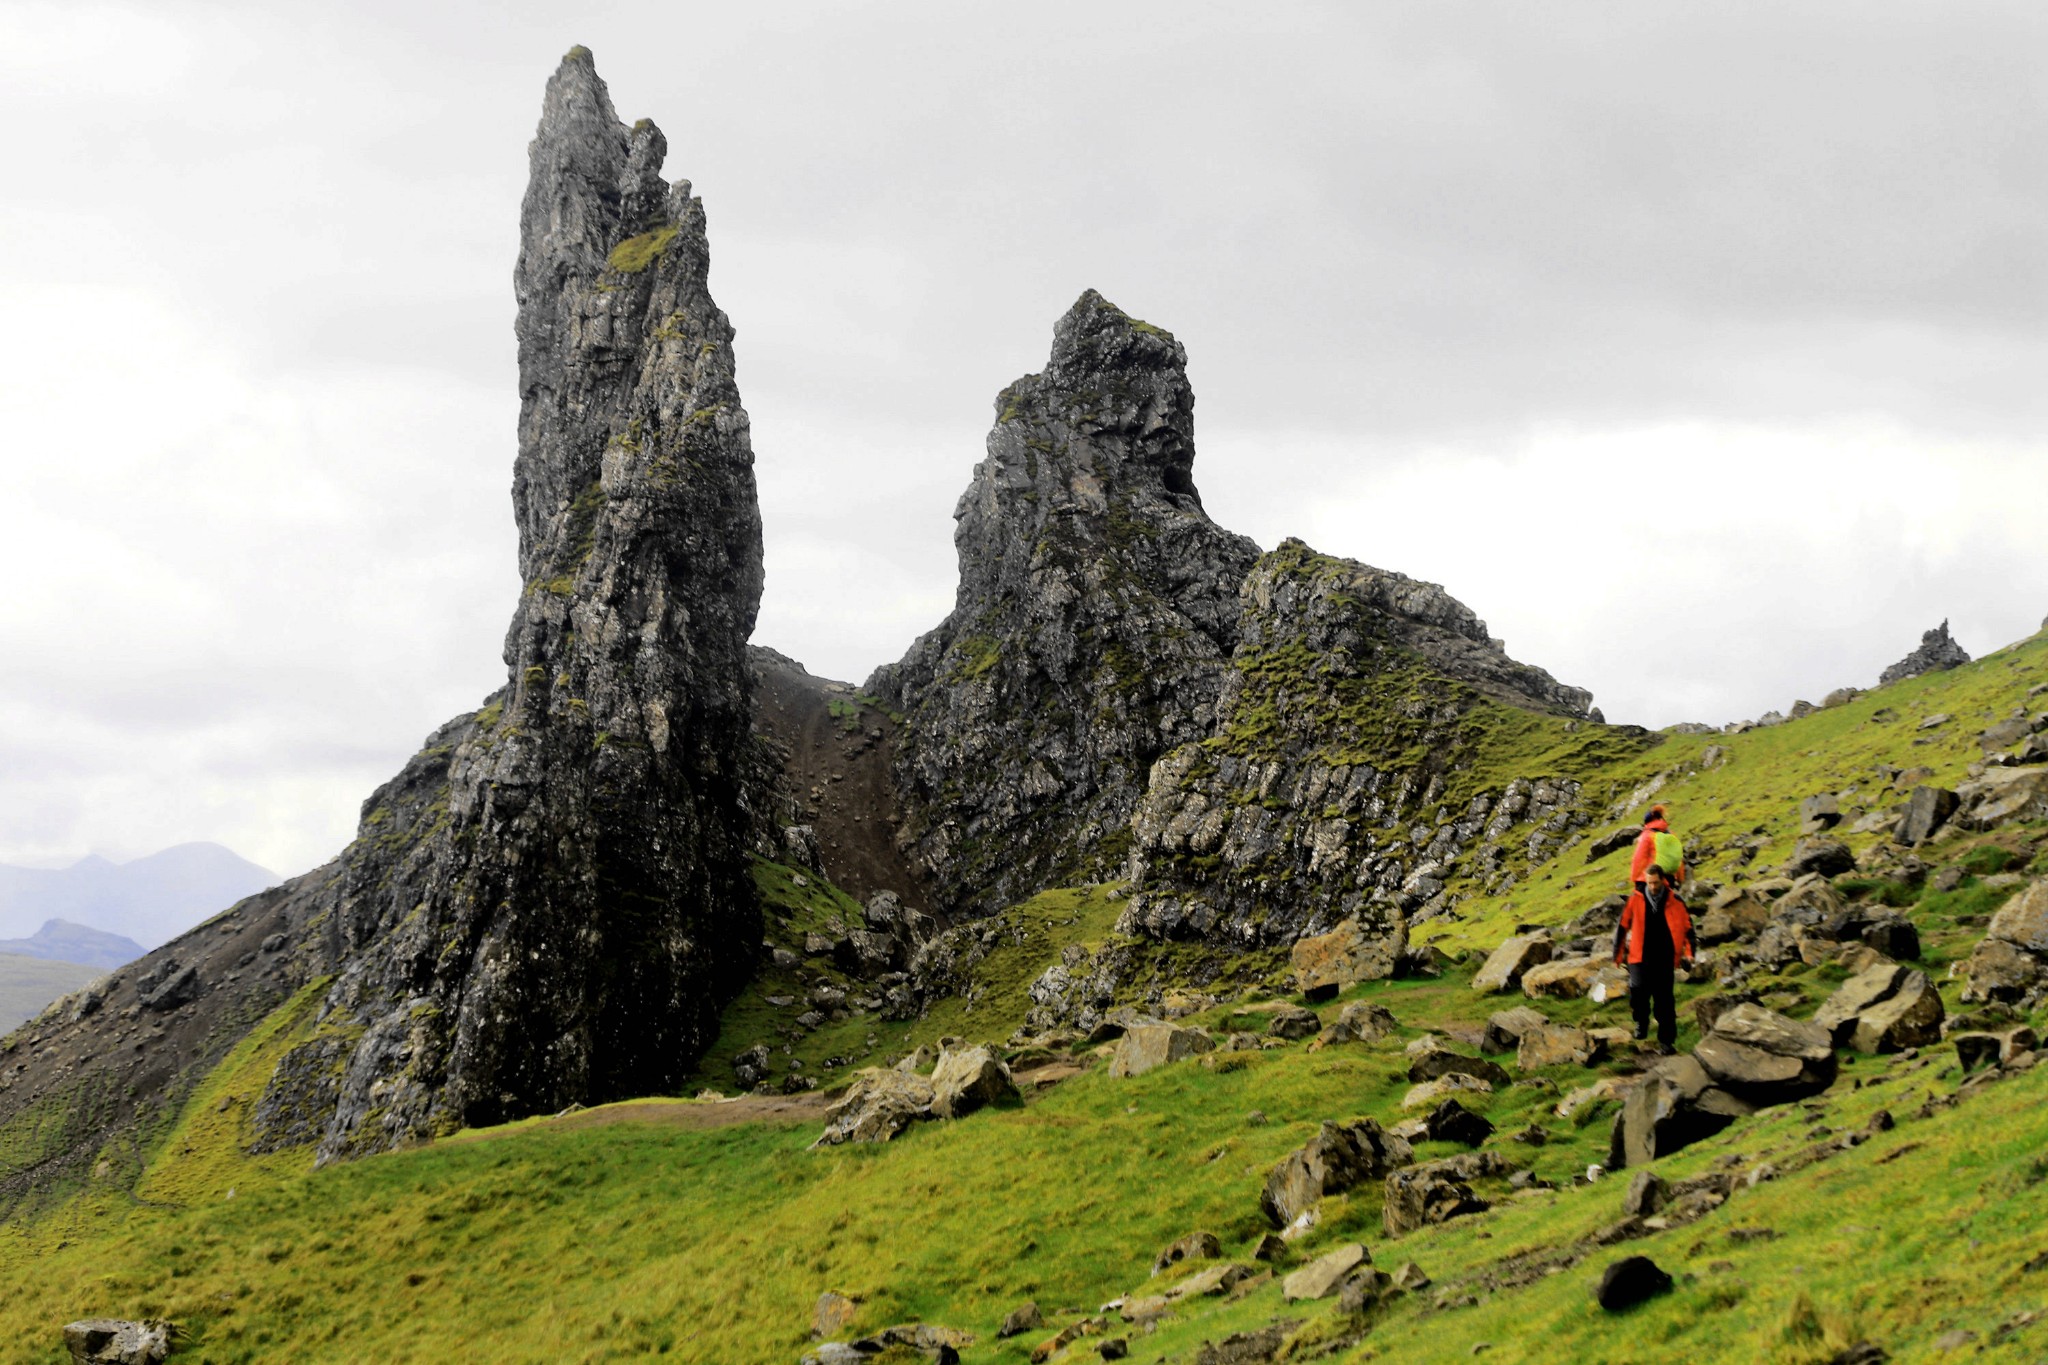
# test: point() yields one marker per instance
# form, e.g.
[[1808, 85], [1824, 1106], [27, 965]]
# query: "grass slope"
[[560, 1240]]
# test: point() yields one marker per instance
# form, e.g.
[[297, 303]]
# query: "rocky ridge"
[[550, 903], [1096, 608]]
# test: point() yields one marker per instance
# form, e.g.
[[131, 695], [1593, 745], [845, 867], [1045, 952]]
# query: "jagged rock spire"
[[1096, 607], [551, 903], [1937, 651]]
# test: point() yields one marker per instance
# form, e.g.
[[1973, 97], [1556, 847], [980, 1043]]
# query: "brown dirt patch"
[[837, 771]]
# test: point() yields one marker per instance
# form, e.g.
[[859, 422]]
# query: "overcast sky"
[[1698, 348]]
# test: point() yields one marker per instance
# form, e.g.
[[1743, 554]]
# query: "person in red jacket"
[[1658, 845], [1654, 940]]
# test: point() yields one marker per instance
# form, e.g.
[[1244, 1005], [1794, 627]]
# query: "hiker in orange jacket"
[[1654, 940], [1657, 844]]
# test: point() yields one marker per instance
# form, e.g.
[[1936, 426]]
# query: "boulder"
[[1506, 965], [1826, 856], [966, 1079], [1765, 1058], [1144, 1047], [1647, 1193], [1336, 1159], [1361, 1021], [113, 1341], [832, 1314], [1885, 1009], [1319, 1278], [1630, 1281], [1927, 810], [1613, 841], [1557, 1045], [1594, 976], [1326, 963], [168, 986], [1196, 1246], [1504, 1028], [1675, 1105], [1881, 927], [1430, 1063], [877, 1106], [1453, 1122], [1432, 1093], [1999, 971], [1818, 814], [1246, 1348], [867, 953], [2023, 920], [1294, 1023], [1937, 651], [1975, 1049], [1436, 1191], [2002, 795]]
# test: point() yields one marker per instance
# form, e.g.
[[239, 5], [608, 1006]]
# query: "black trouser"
[[1649, 984]]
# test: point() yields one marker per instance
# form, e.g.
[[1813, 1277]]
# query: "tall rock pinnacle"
[[551, 903], [1096, 610]]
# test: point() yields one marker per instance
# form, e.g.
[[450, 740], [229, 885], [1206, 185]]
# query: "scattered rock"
[[1361, 1022], [1337, 1158], [1765, 1058], [1020, 1320], [1886, 1009], [1506, 965], [1410, 1277], [1646, 1194], [1432, 1093], [832, 1315], [1431, 1063], [1116, 1348], [1675, 1105], [1453, 1122], [966, 1079], [1319, 1278], [2012, 958], [113, 1341], [1827, 856], [877, 1106], [1818, 814], [2000, 796], [1557, 1045], [1326, 963], [1146, 1046], [1504, 1028], [1436, 1191], [1194, 1246], [1630, 1281], [1294, 1024], [1975, 1050], [1937, 651], [1246, 1348], [1612, 842], [1574, 978]]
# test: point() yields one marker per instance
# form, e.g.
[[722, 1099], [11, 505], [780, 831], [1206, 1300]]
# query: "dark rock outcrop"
[[1937, 651], [551, 903], [1096, 608], [1350, 707]]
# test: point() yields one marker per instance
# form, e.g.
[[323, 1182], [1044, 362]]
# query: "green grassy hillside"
[[666, 1229]]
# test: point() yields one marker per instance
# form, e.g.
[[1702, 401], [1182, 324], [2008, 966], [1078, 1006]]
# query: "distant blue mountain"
[[59, 940], [149, 900]]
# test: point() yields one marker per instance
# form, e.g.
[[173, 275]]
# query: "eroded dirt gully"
[[837, 770]]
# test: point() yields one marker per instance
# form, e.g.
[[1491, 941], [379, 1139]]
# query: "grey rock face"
[[1096, 608], [550, 903], [1344, 716], [1936, 652]]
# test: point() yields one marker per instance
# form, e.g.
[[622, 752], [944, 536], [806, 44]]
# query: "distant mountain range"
[[60, 940], [148, 900]]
